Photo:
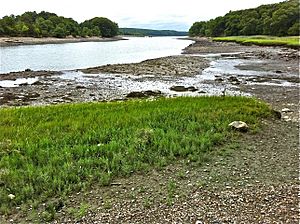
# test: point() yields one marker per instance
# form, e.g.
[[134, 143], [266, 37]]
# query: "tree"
[[275, 19], [59, 31], [294, 30], [107, 27], [85, 32]]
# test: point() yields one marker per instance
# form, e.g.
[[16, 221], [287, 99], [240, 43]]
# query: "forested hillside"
[[46, 24], [147, 32], [281, 19]]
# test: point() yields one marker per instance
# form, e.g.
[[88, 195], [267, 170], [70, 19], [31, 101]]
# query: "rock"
[[183, 89], [142, 94], [286, 110], [179, 88], [80, 87], [152, 93], [192, 89], [11, 196], [277, 114], [24, 84], [37, 83], [135, 95], [234, 80], [239, 126], [219, 80]]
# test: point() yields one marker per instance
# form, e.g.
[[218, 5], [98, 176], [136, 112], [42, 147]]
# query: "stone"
[[80, 87], [11, 196], [183, 89], [219, 80], [234, 80], [152, 93], [179, 88], [142, 94], [37, 83], [239, 126], [286, 110], [277, 114], [192, 89]]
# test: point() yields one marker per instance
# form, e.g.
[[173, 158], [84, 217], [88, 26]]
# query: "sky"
[[150, 14]]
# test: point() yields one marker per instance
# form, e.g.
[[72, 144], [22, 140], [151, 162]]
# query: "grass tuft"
[[292, 41], [55, 150]]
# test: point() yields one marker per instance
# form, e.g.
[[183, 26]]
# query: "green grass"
[[55, 150], [292, 41]]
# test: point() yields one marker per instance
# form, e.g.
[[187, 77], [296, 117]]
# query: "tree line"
[[280, 19], [149, 32], [46, 24]]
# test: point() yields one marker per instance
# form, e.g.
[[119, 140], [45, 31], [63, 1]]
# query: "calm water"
[[87, 54]]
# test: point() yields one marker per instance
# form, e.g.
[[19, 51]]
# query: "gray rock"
[[192, 89], [179, 89], [239, 126], [142, 94], [183, 89], [286, 110]]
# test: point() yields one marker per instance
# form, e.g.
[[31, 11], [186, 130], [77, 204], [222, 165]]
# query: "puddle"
[[17, 82]]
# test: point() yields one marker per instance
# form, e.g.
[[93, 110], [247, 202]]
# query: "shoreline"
[[17, 41], [240, 172]]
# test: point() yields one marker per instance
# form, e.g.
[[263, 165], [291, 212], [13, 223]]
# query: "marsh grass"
[[55, 150], [292, 41]]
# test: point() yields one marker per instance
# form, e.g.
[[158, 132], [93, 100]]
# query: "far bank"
[[16, 41]]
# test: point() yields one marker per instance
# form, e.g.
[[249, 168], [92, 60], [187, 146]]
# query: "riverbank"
[[291, 41], [251, 179], [16, 41]]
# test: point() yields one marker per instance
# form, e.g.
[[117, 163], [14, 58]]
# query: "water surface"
[[70, 56]]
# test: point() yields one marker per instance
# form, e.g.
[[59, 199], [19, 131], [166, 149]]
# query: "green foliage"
[[45, 24], [106, 27], [262, 40], [279, 19], [54, 150], [147, 32]]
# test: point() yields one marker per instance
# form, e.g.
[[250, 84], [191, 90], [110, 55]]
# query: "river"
[[69, 56]]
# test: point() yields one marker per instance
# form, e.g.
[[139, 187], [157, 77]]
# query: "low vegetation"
[[281, 19], [52, 151], [46, 24], [262, 40]]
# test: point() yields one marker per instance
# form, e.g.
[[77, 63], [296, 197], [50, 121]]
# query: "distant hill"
[[147, 32]]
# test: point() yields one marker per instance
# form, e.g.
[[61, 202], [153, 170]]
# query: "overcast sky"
[[152, 14]]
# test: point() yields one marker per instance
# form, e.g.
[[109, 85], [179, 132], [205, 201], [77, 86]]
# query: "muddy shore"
[[16, 41]]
